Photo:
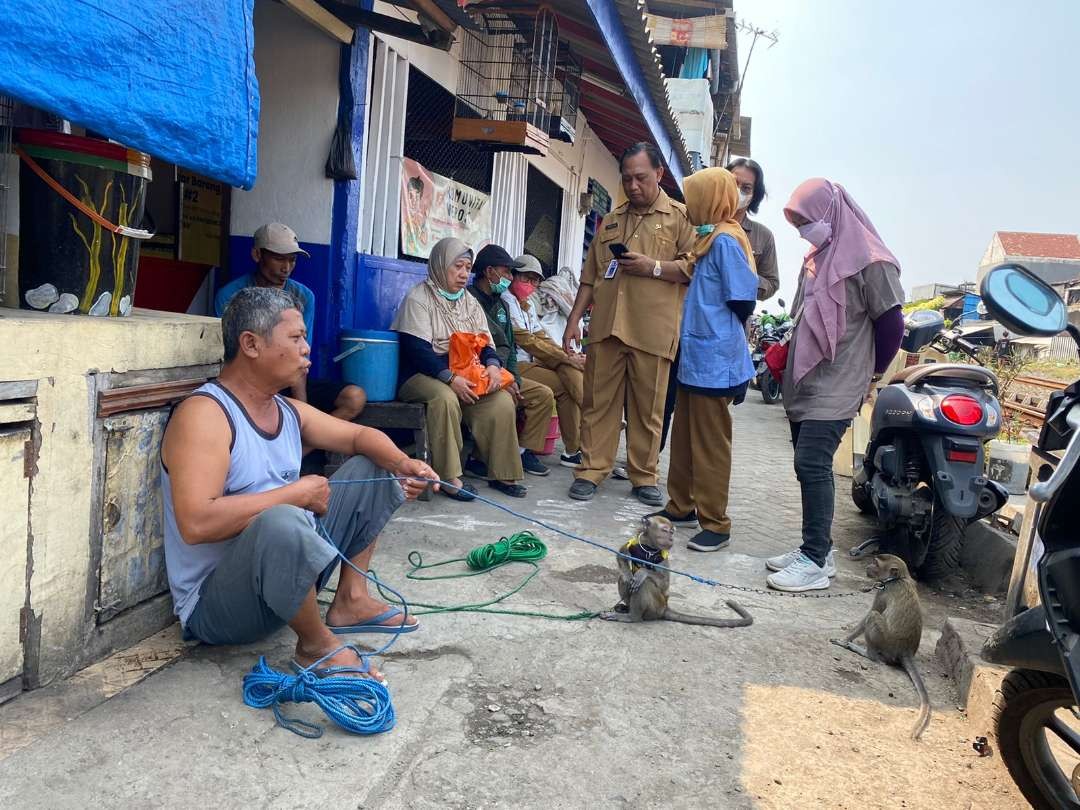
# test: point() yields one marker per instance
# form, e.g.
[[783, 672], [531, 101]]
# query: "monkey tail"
[[744, 620], [924, 709]]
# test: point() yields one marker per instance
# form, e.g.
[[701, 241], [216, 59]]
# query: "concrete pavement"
[[512, 711]]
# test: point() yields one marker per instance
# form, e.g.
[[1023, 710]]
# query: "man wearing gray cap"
[[274, 252]]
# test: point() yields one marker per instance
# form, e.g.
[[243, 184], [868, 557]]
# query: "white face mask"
[[744, 200], [816, 233]]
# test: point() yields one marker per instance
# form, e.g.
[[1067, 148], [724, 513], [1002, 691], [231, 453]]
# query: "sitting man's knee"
[[351, 401], [283, 519], [446, 401]]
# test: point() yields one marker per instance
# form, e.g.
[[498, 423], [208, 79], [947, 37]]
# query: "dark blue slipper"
[[329, 672], [375, 625]]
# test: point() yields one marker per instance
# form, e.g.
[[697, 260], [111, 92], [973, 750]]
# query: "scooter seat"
[[958, 373]]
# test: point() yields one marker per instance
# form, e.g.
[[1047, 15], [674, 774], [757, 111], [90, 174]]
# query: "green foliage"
[[1007, 367], [933, 304]]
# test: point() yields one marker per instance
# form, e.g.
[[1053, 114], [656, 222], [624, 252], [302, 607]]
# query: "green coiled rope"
[[523, 547]]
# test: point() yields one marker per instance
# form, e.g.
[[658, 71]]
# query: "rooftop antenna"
[[756, 32]]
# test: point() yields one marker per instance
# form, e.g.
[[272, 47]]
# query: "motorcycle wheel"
[[1031, 714], [946, 541], [770, 387], [860, 494]]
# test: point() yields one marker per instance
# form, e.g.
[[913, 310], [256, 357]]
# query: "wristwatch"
[[657, 270]]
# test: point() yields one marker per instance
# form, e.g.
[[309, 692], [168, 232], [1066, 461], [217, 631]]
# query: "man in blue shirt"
[[275, 251]]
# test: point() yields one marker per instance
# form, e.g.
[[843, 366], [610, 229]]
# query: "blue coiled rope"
[[358, 705]]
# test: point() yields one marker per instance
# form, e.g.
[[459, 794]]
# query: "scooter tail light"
[[962, 456], [961, 410]]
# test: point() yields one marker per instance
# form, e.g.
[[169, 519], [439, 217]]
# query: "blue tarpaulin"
[[174, 78]]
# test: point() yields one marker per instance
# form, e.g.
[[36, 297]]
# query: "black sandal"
[[465, 493], [513, 490]]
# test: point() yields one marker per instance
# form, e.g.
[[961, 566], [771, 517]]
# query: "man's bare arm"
[[195, 450]]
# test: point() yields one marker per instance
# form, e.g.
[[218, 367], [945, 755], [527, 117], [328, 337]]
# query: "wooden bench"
[[400, 416]]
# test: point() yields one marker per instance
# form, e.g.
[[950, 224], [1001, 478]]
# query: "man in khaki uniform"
[[637, 303]]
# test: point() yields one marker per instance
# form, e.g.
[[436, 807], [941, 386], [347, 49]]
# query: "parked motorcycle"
[[922, 474], [1036, 711], [768, 330]]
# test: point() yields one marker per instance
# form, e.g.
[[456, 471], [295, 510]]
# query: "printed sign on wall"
[[434, 207]]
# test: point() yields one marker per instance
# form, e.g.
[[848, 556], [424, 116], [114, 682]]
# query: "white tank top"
[[258, 461]]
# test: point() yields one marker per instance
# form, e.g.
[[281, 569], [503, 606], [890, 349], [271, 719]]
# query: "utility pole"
[[747, 28]]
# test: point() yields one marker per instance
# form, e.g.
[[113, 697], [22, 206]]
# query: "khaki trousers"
[[537, 401], [699, 473], [567, 384], [492, 420], [616, 374]]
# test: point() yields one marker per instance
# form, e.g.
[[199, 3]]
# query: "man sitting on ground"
[[242, 549], [542, 360], [275, 251]]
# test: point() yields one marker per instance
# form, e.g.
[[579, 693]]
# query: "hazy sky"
[[946, 120]]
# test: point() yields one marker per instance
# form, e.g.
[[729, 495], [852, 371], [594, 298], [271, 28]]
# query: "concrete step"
[[977, 681]]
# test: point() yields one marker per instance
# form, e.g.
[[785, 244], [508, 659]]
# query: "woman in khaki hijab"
[[432, 311], [714, 360]]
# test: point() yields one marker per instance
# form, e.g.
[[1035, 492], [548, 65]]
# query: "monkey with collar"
[[893, 627], [645, 579]]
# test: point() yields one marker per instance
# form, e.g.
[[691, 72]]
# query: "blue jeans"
[[815, 443]]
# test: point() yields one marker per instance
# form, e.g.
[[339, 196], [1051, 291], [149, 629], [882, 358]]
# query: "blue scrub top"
[[713, 350]]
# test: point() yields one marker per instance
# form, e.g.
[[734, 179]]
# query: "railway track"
[[1042, 382]]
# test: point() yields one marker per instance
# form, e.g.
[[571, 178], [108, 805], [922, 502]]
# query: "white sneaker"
[[784, 560], [802, 575], [619, 472]]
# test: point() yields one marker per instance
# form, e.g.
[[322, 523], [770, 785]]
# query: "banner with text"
[[434, 207]]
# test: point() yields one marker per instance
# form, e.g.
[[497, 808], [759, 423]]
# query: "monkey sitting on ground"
[[893, 627], [645, 579]]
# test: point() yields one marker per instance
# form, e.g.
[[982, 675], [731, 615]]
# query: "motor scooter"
[[1036, 714], [768, 330], [922, 473]]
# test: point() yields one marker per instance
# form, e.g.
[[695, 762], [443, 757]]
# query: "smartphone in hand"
[[618, 249]]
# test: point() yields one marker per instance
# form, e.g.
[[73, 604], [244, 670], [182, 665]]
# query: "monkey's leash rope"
[[552, 528]]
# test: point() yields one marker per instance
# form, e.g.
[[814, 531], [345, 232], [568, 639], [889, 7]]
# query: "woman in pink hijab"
[[848, 327]]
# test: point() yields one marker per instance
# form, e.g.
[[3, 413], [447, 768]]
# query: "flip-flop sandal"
[[465, 493], [374, 625], [329, 672]]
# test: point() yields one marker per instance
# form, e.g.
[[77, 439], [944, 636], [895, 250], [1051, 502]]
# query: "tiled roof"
[[1040, 245]]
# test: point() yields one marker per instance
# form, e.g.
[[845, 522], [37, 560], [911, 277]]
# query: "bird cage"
[[566, 96], [507, 80]]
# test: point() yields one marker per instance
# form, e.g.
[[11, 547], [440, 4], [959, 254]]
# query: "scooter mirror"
[[1022, 302], [780, 301], [920, 327]]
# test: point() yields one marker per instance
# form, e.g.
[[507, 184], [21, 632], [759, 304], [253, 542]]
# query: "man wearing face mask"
[[542, 360], [492, 276]]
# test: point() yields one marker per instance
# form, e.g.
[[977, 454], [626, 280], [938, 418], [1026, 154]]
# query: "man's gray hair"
[[256, 310]]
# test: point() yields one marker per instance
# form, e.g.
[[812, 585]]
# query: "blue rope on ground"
[[551, 528], [358, 705], [362, 705]]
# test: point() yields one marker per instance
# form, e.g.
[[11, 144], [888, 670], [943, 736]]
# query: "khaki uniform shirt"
[[764, 248], [643, 312]]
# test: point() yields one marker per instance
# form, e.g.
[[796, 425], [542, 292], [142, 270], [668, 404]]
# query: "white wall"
[[297, 67]]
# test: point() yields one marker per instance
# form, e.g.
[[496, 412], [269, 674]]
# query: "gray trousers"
[[271, 566]]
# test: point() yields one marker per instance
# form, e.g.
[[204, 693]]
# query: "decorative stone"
[[41, 297], [101, 306], [125, 305], [66, 303]]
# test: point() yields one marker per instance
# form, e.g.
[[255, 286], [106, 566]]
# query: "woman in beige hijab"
[[432, 311]]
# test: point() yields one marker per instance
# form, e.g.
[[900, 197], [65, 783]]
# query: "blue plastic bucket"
[[369, 358]]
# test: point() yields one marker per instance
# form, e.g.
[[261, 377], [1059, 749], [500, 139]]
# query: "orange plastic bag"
[[465, 348]]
